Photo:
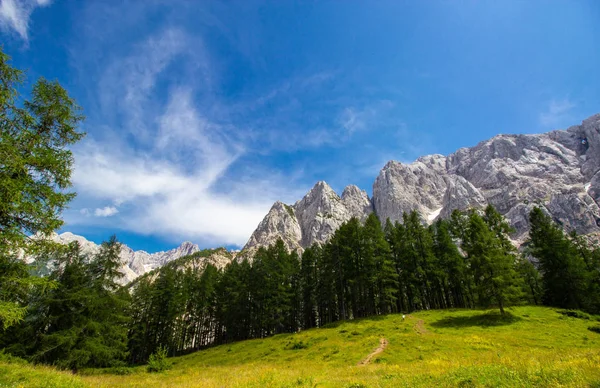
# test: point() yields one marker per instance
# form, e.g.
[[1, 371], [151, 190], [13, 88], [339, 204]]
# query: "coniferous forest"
[[77, 315]]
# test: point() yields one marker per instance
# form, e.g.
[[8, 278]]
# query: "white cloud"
[[14, 15], [165, 200], [178, 158], [556, 113], [352, 120], [106, 211], [172, 180]]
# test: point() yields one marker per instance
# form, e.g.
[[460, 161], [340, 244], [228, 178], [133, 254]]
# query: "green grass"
[[531, 347], [18, 373]]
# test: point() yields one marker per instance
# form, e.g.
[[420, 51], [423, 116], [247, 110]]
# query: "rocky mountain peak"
[[136, 263], [280, 222], [357, 202], [558, 171], [313, 219], [321, 191], [187, 248]]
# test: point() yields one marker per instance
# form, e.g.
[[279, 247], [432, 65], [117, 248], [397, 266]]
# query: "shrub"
[[595, 329], [158, 361], [10, 359], [297, 345], [579, 314]]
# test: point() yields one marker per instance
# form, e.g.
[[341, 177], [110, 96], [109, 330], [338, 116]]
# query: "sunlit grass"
[[533, 346], [23, 375]]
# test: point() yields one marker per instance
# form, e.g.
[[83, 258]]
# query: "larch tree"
[[35, 175]]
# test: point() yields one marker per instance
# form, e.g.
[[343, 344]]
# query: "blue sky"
[[201, 114]]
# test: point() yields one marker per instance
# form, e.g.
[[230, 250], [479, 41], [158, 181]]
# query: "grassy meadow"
[[533, 346]]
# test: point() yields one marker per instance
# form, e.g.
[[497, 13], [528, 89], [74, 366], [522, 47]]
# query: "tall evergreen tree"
[[35, 174], [492, 265], [563, 269]]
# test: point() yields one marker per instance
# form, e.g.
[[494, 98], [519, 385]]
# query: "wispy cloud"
[[175, 154], [556, 113], [171, 180], [15, 14], [106, 211]]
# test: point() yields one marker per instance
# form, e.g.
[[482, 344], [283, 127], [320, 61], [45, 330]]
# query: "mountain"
[[313, 219], [557, 171], [137, 263]]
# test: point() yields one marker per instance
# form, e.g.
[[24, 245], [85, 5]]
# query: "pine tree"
[[532, 280], [308, 284], [35, 173], [492, 265], [452, 268], [562, 268], [385, 278], [107, 332]]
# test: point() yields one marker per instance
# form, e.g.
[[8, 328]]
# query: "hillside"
[[536, 346]]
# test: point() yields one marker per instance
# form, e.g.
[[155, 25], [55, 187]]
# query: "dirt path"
[[383, 343], [420, 327]]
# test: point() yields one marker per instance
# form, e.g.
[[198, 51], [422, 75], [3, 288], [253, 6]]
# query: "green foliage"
[[579, 314], [35, 174], [297, 345], [80, 323], [595, 329], [364, 270], [15, 372], [158, 361], [492, 259], [570, 268]]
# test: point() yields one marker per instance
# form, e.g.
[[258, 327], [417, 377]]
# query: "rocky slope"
[[313, 219], [558, 171], [136, 263]]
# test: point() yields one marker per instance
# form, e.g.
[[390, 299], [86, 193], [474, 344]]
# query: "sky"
[[201, 114]]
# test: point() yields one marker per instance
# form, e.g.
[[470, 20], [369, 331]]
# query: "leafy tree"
[[82, 323], [563, 269], [532, 280], [384, 276], [308, 284], [35, 174], [493, 263], [452, 269]]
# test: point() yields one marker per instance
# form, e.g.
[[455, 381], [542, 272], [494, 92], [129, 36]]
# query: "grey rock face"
[[558, 171], [357, 202], [280, 222], [137, 263], [320, 213], [417, 186], [313, 219], [460, 195]]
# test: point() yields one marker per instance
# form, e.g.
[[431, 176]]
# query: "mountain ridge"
[[138, 263], [556, 170]]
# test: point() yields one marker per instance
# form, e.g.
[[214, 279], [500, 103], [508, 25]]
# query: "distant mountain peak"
[[134, 263]]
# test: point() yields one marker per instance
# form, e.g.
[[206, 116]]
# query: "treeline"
[[83, 318], [365, 269]]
